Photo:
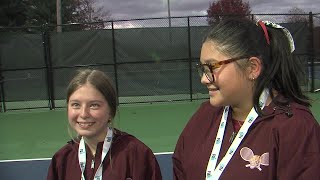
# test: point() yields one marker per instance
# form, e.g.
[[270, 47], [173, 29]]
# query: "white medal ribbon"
[[214, 172], [82, 155]]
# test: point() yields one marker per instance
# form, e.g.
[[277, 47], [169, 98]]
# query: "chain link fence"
[[149, 60]]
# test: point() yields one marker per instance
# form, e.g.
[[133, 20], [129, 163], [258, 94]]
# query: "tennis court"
[[30, 138]]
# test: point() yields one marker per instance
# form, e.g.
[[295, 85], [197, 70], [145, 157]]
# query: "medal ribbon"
[[82, 155], [214, 172]]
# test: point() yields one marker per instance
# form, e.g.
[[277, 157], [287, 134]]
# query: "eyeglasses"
[[208, 68]]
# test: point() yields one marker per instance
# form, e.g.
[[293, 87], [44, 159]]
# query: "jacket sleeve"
[[178, 172], [52, 171], [145, 165], [299, 151], [178, 157]]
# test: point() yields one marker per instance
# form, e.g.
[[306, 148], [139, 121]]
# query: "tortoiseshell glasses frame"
[[208, 68]]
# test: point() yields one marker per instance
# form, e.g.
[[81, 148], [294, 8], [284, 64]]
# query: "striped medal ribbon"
[[82, 154], [214, 172]]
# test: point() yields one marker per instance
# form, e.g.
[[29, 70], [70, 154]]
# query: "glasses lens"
[[200, 69], [208, 73], [204, 69]]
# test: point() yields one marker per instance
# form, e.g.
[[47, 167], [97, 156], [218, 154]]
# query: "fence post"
[[49, 71], [311, 50], [115, 60], [190, 60], [2, 99]]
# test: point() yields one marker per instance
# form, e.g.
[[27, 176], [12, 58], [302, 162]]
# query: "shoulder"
[[303, 119], [129, 142], [69, 149], [65, 156], [206, 109], [205, 115], [300, 111], [297, 115], [295, 123], [206, 106], [202, 124]]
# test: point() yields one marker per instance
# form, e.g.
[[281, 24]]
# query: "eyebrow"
[[210, 60], [92, 101]]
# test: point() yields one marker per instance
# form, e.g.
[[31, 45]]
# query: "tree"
[[86, 12], [222, 8], [39, 12], [296, 15], [12, 13]]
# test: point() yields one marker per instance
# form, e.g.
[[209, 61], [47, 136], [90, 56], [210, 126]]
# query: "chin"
[[214, 102], [84, 133]]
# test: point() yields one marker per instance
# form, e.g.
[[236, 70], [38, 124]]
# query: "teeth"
[[86, 124]]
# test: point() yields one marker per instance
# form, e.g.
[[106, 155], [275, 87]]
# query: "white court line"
[[18, 160], [45, 159], [161, 153]]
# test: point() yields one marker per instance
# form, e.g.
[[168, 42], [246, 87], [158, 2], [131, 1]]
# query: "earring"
[[109, 123]]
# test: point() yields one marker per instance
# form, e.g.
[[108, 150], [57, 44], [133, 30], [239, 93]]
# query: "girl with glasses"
[[257, 123]]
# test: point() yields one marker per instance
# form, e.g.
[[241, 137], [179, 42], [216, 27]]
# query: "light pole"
[[58, 8], [169, 13]]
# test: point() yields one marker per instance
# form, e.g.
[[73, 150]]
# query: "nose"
[[204, 79], [84, 113]]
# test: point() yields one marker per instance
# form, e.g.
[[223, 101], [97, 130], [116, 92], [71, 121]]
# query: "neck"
[[240, 113], [92, 144]]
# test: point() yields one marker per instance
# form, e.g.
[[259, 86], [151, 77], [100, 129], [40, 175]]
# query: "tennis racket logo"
[[254, 160]]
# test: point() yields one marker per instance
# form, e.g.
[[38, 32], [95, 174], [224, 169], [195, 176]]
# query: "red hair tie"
[[264, 28]]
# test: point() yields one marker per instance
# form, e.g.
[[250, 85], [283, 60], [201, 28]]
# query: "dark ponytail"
[[282, 73]]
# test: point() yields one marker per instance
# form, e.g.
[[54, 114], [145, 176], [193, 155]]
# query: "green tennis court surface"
[[39, 134]]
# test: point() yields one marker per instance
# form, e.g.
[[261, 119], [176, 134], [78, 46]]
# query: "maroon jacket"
[[130, 158], [290, 135]]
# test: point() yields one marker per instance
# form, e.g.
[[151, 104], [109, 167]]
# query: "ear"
[[254, 68]]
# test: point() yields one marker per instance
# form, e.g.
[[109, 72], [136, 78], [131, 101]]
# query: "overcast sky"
[[129, 9]]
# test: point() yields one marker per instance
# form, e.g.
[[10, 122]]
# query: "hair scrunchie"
[[263, 25]]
